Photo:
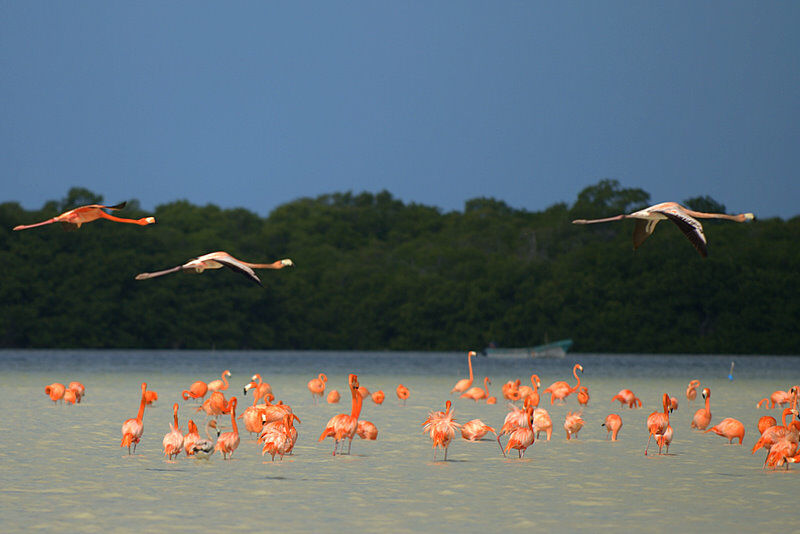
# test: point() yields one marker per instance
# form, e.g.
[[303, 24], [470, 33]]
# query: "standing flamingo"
[[779, 398], [218, 260], [684, 218], [730, 429], [74, 218], [173, 440], [343, 426], [367, 430], [464, 384], [475, 393], [317, 387], [70, 397], [261, 388], [560, 390], [665, 439], [403, 393], [190, 438], [378, 396], [78, 388], [204, 448], [702, 417], [475, 430], [573, 424], [542, 422], [215, 405], [765, 422], [132, 429], [227, 442], [333, 396], [55, 391], [522, 437], [532, 392], [613, 423], [691, 390], [583, 396], [626, 396], [657, 424], [511, 390], [278, 439], [150, 397], [220, 384], [774, 433], [441, 427], [197, 390]]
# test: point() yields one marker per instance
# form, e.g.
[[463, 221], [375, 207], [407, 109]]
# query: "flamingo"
[[317, 387], [573, 424], [673, 403], [613, 423], [150, 397], [227, 442], [70, 397], [278, 438], [55, 391], [702, 417], [261, 388], [220, 384], [367, 430], [378, 396], [665, 440], [403, 393], [542, 422], [215, 405], [343, 426], [765, 422], [560, 390], [583, 395], [626, 396], [74, 218], [271, 413], [190, 438], [780, 398], [464, 384], [333, 397], [173, 440], [197, 390], [522, 437], [217, 260], [279, 425], [78, 388], [204, 448], [511, 390], [785, 448], [691, 390], [657, 424], [728, 428], [684, 218], [363, 391], [774, 433], [132, 429], [475, 393], [475, 430], [441, 427], [252, 417], [532, 392]]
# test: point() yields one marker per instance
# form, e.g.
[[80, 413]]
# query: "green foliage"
[[375, 273]]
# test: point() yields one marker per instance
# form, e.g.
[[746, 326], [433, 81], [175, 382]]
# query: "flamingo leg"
[[501, 447], [648, 443]]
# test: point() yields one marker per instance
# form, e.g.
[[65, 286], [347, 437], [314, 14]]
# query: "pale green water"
[[62, 467]]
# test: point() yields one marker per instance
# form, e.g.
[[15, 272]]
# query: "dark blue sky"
[[255, 104]]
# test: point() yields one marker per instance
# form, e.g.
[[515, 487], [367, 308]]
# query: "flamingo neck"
[[486, 385], [357, 402], [233, 419], [578, 378], [469, 362], [140, 415], [708, 402]]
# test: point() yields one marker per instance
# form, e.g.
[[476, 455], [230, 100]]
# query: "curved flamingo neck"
[[708, 403], [224, 380], [140, 415], [486, 385], [259, 378], [534, 380], [578, 378], [786, 412]]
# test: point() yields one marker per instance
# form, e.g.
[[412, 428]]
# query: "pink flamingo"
[[441, 427], [173, 440], [532, 392], [691, 390], [780, 398], [403, 393], [730, 429], [78, 388], [542, 422], [522, 437], [475, 430], [377, 397], [626, 396], [464, 384], [317, 387], [190, 438], [227, 442], [560, 390], [511, 390], [665, 439], [367, 430], [657, 424], [765, 422], [261, 388], [132, 429], [197, 390], [583, 396], [343, 426], [573, 424], [220, 384], [278, 439], [74, 218], [475, 393], [613, 424], [55, 391], [702, 417], [218, 260], [333, 397]]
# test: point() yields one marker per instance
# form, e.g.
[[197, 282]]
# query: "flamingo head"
[[579, 367], [353, 381], [149, 220], [226, 373], [249, 386], [287, 263], [748, 217], [447, 406], [472, 353], [706, 393]]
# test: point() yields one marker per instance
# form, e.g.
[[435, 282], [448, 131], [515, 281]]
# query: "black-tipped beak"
[[245, 391]]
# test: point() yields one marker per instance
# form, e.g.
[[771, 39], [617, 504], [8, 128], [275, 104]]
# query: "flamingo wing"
[[690, 227], [239, 267], [642, 230]]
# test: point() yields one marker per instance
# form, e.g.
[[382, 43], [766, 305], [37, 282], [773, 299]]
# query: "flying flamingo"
[[441, 427], [532, 392], [729, 428], [173, 440], [132, 429], [702, 417], [55, 391], [218, 260], [626, 396], [475, 393], [464, 384], [204, 448], [684, 218], [190, 438], [612, 423], [573, 424], [333, 397], [197, 390], [780, 398], [475, 430], [76, 217], [227, 442], [220, 385], [522, 437], [657, 424], [343, 426], [317, 387], [378, 396], [403, 393], [367, 430], [560, 390], [691, 390], [583, 396]]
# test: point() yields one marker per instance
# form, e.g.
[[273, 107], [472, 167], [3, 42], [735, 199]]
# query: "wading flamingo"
[[260, 388], [583, 396], [150, 397], [684, 218], [280, 426], [343, 426], [464, 384], [702, 417], [278, 439], [190, 438], [475, 430], [657, 424], [729, 429], [74, 218], [197, 390], [441, 427], [526, 392], [363, 391], [691, 390], [215, 405], [785, 449], [542, 423], [367, 430], [70, 397], [475, 393], [560, 390], [510, 390], [626, 396], [317, 387], [522, 437], [333, 397], [612, 423], [173, 440], [673, 403], [132, 429], [665, 439], [775, 433], [220, 384], [204, 448], [403, 393], [378, 396], [251, 416], [227, 442], [55, 391], [765, 422], [78, 388], [573, 424], [779, 398], [218, 260]]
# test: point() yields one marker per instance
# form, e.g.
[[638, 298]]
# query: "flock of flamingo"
[[274, 423]]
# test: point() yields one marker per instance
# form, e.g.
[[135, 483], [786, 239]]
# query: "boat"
[[556, 349]]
